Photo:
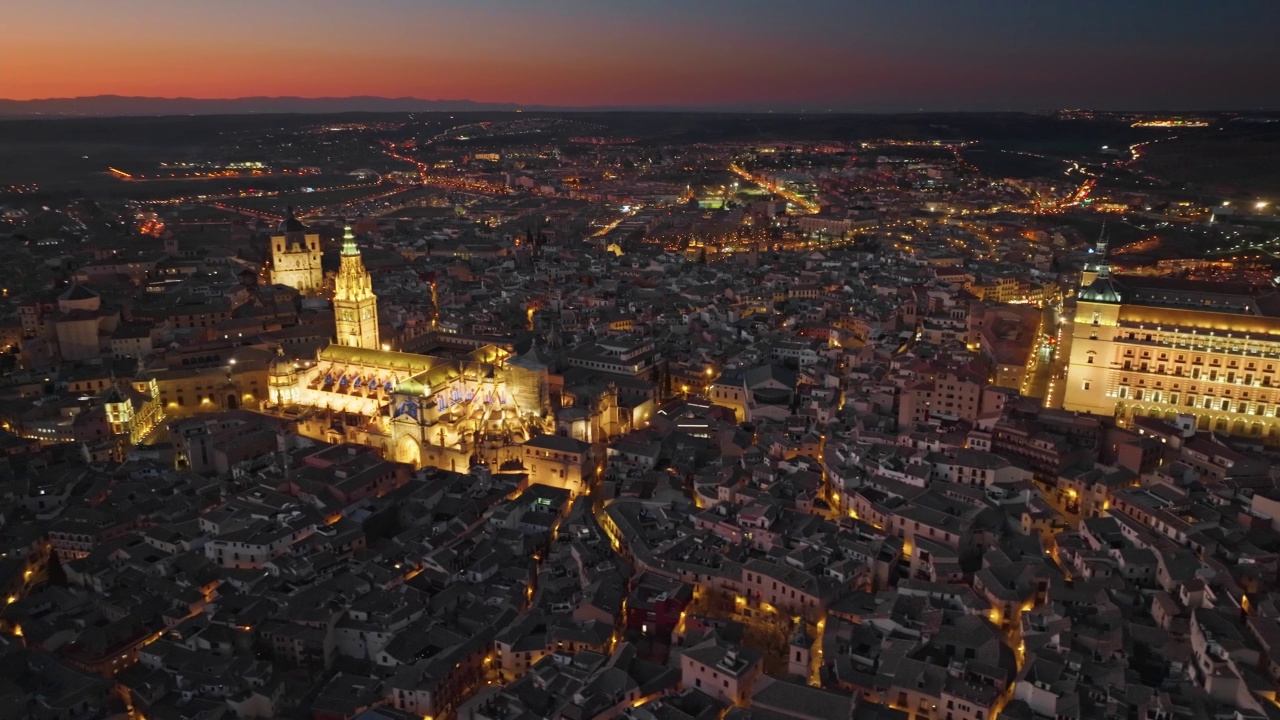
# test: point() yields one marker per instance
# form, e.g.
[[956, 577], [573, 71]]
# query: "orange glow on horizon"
[[825, 54], [183, 73], [212, 51]]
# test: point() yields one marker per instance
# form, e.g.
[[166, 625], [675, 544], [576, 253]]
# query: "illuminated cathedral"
[[417, 409], [295, 257]]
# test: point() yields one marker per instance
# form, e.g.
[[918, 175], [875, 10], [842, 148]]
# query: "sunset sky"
[[841, 54]]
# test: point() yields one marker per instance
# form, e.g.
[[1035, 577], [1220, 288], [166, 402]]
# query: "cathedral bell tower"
[[355, 307], [295, 257]]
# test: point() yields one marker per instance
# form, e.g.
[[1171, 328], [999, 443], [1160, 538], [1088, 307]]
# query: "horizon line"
[[764, 107]]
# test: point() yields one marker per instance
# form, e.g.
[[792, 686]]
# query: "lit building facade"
[[135, 413], [417, 409], [562, 462], [355, 307], [295, 257], [445, 412], [215, 387], [1161, 348]]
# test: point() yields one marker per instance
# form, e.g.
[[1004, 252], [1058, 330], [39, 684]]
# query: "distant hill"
[[117, 106]]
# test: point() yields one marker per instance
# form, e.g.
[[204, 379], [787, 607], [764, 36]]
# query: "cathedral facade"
[[418, 409], [295, 257]]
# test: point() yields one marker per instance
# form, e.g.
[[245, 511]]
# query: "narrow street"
[[1062, 358], [1046, 357]]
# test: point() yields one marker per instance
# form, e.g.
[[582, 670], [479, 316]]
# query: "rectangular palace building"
[[1161, 347]]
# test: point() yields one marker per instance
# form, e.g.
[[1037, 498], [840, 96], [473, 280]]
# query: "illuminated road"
[[1057, 388], [258, 214], [328, 209], [211, 175], [613, 225], [225, 201], [420, 167], [448, 183], [317, 211], [1046, 360], [1082, 193], [1136, 151], [808, 205]]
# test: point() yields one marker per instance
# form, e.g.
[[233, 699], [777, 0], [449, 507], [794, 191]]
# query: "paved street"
[[1062, 357]]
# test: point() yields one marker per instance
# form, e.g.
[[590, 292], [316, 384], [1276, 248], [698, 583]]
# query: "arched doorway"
[[409, 451], [232, 402]]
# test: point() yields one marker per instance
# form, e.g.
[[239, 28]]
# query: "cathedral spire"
[[354, 304], [349, 242]]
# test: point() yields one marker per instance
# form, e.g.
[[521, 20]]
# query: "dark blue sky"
[[817, 54]]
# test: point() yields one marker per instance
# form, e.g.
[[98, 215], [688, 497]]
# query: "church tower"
[[1096, 266], [355, 307], [295, 257]]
